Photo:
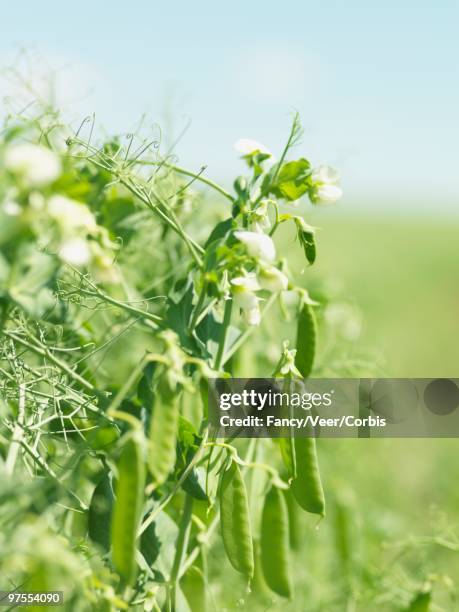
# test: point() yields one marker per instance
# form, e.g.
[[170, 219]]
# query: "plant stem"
[[17, 433], [225, 324], [43, 351], [198, 177]]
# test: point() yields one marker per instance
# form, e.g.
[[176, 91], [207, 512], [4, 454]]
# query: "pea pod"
[[163, 436], [100, 513], [127, 508], [235, 521], [306, 340], [275, 544], [307, 486], [293, 521]]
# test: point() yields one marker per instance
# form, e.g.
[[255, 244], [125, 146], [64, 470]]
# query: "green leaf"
[[150, 544], [220, 231], [292, 180]]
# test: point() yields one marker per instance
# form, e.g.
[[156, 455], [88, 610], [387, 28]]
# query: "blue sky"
[[376, 84]]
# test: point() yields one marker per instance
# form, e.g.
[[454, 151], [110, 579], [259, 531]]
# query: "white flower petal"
[[75, 251], [253, 315], [11, 208], [325, 174], [258, 245], [70, 214], [36, 165], [327, 194]]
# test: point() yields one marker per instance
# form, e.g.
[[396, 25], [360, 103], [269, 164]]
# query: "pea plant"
[[124, 289]]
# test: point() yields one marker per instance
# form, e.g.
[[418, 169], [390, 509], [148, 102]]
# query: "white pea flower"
[[36, 165], [272, 279], [11, 208], [71, 215], [246, 146], [258, 245], [325, 189], [75, 251], [243, 289], [327, 194], [325, 174], [260, 218]]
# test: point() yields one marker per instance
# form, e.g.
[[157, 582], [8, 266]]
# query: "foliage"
[[122, 292]]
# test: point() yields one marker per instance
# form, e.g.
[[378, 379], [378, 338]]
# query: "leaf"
[[291, 182], [209, 333], [195, 484], [150, 544], [220, 231]]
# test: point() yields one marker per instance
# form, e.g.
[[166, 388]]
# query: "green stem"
[[45, 352], [225, 324], [198, 177]]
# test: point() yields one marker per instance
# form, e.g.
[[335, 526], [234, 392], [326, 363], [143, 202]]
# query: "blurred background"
[[377, 88]]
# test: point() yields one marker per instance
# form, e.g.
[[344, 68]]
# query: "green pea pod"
[[163, 436], [275, 544], [296, 536], [127, 509], [306, 340], [235, 520], [100, 513], [193, 586], [307, 486]]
